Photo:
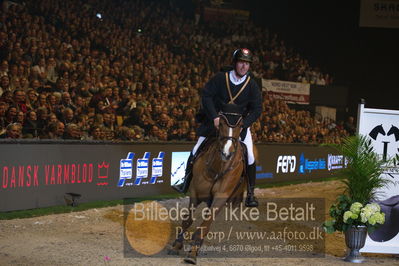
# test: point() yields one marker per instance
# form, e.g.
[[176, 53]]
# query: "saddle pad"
[[392, 201]]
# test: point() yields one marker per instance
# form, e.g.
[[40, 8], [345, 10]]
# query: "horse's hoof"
[[190, 259], [175, 248], [173, 251]]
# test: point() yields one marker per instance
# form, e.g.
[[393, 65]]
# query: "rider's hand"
[[216, 122]]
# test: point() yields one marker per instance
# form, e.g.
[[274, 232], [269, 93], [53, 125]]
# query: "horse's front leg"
[[186, 223], [198, 237]]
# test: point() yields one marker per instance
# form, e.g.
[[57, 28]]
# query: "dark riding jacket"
[[215, 93]]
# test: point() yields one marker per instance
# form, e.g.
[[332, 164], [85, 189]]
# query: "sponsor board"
[[335, 162], [260, 174], [379, 13], [290, 92], [289, 164], [307, 166], [126, 170], [286, 164], [38, 175], [42, 175], [381, 126], [178, 167]]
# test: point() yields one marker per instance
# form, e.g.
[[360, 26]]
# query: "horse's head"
[[229, 133]]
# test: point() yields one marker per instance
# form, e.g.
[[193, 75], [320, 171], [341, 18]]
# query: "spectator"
[[95, 133], [3, 121], [72, 132], [55, 130], [103, 96], [32, 99], [20, 100], [67, 116], [66, 101], [153, 136], [53, 104], [13, 131], [11, 115], [123, 103], [4, 84], [349, 126], [3, 68], [192, 136], [31, 128], [20, 117], [163, 69]]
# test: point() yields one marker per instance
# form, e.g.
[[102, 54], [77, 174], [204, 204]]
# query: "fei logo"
[[126, 169]]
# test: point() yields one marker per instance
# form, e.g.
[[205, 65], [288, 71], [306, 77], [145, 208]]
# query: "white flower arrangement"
[[346, 214], [362, 179], [369, 215]]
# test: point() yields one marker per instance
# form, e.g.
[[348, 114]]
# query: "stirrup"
[[183, 187], [179, 187]]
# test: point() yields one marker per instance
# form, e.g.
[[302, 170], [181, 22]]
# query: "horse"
[[218, 178]]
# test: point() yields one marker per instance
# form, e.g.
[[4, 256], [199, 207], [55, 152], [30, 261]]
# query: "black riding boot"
[[251, 201], [183, 187]]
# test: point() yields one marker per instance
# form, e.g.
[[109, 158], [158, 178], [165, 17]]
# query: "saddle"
[[390, 228]]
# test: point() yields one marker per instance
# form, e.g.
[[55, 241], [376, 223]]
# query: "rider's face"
[[242, 68]]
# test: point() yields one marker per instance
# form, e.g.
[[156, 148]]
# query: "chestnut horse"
[[218, 178]]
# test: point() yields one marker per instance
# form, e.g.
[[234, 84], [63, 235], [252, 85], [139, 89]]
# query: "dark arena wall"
[[39, 174]]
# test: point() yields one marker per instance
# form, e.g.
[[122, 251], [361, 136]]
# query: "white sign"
[[178, 167], [381, 126], [291, 92], [379, 13]]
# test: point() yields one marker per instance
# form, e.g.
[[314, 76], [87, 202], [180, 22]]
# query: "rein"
[[232, 162], [230, 166]]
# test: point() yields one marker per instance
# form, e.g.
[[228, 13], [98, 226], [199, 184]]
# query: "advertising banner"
[[291, 92], [213, 14], [379, 13], [381, 126], [40, 175]]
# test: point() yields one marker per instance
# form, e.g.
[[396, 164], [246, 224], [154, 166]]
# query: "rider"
[[234, 87]]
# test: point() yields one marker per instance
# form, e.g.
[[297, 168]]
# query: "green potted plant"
[[354, 213]]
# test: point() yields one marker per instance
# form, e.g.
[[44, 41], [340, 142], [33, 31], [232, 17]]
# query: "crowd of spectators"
[[134, 72]]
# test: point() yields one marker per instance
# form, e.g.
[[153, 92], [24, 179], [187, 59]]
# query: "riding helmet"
[[242, 54]]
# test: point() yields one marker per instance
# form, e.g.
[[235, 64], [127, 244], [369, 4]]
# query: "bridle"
[[222, 139], [232, 162]]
